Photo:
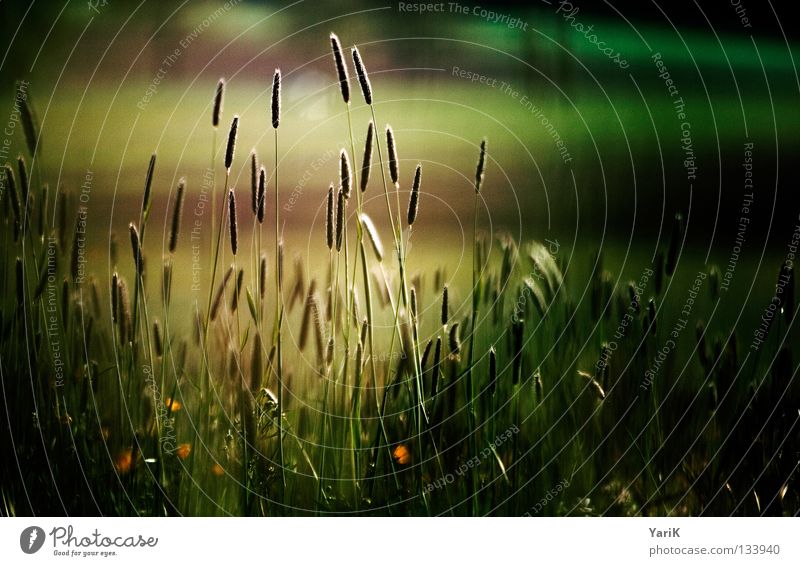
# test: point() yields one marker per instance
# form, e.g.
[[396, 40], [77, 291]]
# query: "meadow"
[[217, 359]]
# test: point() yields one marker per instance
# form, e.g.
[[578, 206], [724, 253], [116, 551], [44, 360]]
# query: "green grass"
[[243, 421]]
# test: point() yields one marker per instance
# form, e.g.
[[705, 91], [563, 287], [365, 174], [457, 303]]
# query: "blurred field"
[[363, 426]]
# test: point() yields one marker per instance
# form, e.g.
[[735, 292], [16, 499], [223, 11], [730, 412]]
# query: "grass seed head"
[[363, 78], [329, 219], [231, 148], [254, 181], [30, 124], [218, 103], [148, 183], [262, 195], [166, 282], [394, 171], [445, 306], [136, 248], [262, 277], [276, 99], [344, 173], [340, 205], [366, 164], [454, 341], [220, 292], [413, 201], [157, 340], [481, 168], [341, 68], [115, 298], [11, 187], [232, 221], [237, 290], [176, 216], [24, 184]]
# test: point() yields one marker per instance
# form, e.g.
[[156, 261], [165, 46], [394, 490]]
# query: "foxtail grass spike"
[[177, 210], [166, 289], [344, 173], [305, 320], [329, 221], [280, 262], [329, 352], [125, 319], [24, 184], [445, 307], [262, 281], [340, 204], [220, 292], [232, 221], [372, 234], [276, 99], [413, 202], [481, 169], [392, 149], [254, 182], [319, 327], [262, 194], [218, 103], [148, 183], [157, 339], [30, 124], [364, 329], [454, 341], [231, 143], [363, 78], [11, 188], [425, 355], [341, 68], [114, 297], [237, 290], [136, 247], [366, 164]]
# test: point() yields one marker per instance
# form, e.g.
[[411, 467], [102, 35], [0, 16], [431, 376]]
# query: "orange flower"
[[183, 450], [217, 470], [401, 454], [176, 405], [124, 460]]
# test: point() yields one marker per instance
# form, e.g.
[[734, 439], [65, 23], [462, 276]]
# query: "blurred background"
[[586, 146]]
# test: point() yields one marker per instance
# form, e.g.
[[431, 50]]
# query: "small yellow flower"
[[401, 454], [124, 460], [183, 450]]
